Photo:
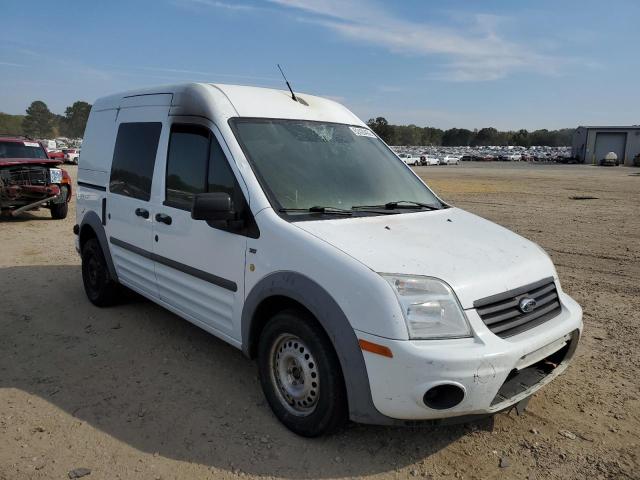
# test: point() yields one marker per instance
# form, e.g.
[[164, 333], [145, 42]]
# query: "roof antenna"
[[293, 95]]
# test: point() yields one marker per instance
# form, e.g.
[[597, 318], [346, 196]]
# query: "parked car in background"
[[71, 155], [543, 157], [49, 145], [429, 160], [409, 159], [56, 155], [449, 160], [610, 160], [29, 179], [485, 153]]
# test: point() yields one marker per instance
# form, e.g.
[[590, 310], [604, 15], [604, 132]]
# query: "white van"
[[287, 228]]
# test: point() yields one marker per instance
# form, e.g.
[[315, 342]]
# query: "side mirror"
[[212, 207]]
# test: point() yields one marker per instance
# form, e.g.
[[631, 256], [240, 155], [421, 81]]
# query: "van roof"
[[200, 99]]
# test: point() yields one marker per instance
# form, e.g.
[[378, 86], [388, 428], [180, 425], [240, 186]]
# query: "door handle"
[[141, 212], [163, 218]]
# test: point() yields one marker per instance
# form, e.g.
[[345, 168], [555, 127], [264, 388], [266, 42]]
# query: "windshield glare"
[[21, 150], [302, 164]]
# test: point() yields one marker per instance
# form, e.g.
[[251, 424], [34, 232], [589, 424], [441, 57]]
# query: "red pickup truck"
[[29, 179]]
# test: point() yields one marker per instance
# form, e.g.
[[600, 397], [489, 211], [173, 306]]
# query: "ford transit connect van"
[[284, 226]]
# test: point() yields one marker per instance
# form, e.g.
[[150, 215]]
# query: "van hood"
[[476, 257]]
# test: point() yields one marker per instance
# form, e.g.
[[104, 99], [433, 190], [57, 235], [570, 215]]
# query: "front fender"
[[331, 317]]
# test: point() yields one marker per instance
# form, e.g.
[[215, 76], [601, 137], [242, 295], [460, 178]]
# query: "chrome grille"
[[502, 314]]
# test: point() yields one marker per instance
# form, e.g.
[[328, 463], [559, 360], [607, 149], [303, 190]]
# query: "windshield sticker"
[[362, 132], [31, 144]]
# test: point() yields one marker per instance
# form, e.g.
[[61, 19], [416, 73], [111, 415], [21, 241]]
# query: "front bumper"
[[484, 367]]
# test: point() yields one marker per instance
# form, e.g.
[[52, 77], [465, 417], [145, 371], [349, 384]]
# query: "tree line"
[[40, 122], [461, 137]]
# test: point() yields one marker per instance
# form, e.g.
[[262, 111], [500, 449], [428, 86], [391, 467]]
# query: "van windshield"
[[306, 164]]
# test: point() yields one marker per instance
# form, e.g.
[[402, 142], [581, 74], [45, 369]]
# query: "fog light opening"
[[443, 396]]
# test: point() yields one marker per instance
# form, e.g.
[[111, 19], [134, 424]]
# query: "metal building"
[[591, 144]]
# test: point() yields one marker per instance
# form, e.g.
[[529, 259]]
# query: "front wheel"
[[300, 375], [59, 211], [60, 207]]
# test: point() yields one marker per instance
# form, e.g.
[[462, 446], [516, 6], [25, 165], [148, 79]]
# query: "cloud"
[[475, 51], [216, 4]]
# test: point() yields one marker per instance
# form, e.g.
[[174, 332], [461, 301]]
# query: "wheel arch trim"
[[325, 309], [92, 220]]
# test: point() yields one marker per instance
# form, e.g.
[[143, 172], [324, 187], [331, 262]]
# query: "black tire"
[[100, 288], [59, 210], [328, 394]]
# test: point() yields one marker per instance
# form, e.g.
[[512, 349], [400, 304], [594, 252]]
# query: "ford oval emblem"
[[527, 305]]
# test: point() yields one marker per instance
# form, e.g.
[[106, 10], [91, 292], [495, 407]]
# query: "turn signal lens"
[[66, 178], [375, 348]]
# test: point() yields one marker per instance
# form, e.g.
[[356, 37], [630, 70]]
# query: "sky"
[[468, 64]]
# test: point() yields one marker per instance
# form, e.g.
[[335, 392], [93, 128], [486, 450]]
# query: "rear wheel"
[[100, 288], [300, 375]]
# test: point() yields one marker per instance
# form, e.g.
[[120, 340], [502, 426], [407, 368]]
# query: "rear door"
[[129, 217]]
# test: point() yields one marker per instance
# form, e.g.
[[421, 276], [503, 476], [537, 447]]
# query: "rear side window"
[[134, 158]]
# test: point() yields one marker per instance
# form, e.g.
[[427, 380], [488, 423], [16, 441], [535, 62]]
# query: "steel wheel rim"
[[294, 373], [94, 270]]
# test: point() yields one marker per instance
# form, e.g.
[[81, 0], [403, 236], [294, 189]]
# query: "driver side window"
[[186, 165], [196, 164]]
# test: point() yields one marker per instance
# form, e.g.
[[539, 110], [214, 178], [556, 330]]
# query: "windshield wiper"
[[319, 209], [409, 204]]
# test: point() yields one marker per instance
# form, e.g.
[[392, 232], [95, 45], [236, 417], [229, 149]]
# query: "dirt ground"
[[135, 392]]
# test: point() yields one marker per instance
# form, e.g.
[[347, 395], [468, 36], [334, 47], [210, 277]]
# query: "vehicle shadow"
[[25, 216], [158, 383]]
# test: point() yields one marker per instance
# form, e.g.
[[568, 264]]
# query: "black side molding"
[[104, 211], [93, 186], [194, 272]]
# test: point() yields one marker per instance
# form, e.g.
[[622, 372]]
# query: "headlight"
[[430, 308]]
